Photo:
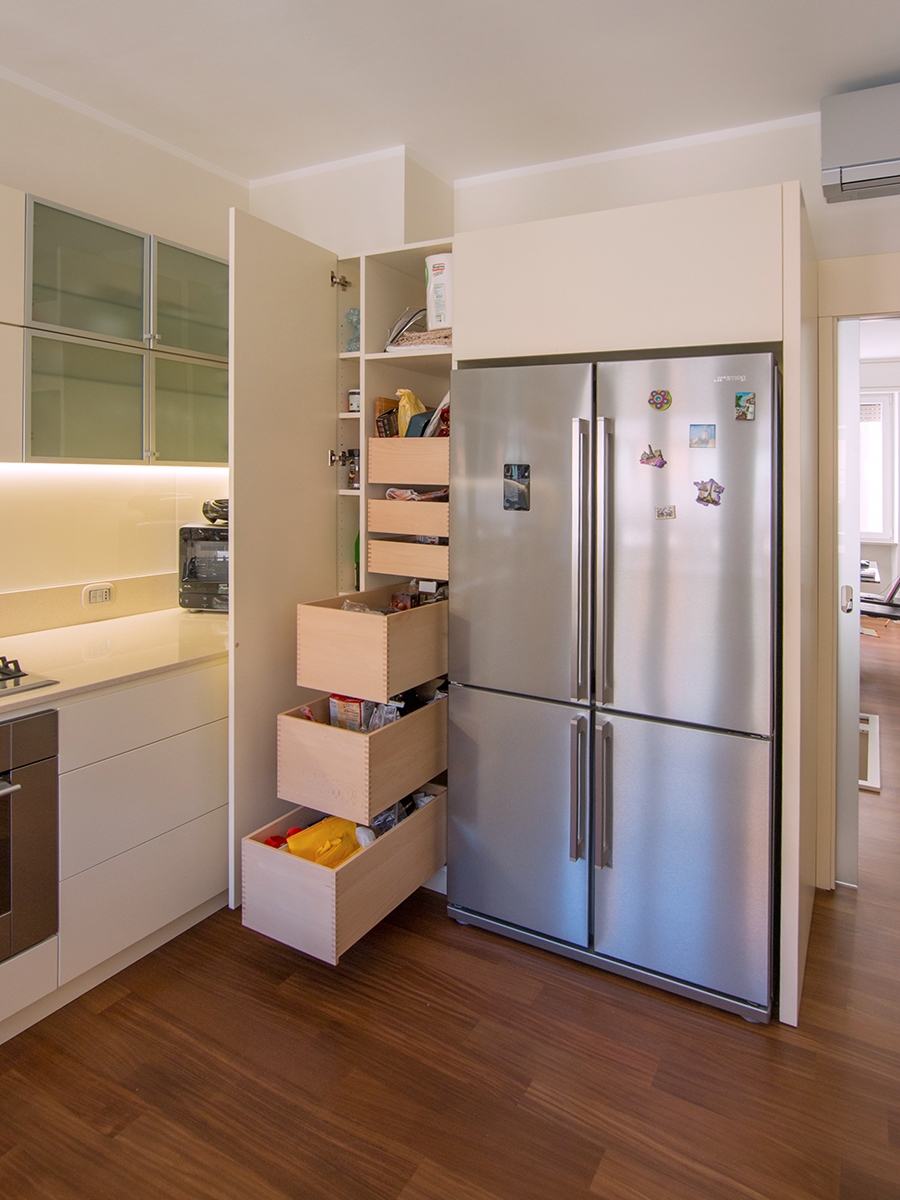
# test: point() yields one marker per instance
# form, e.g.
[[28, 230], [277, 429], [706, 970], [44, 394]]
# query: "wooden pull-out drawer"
[[418, 561], [357, 775], [323, 910], [370, 655], [409, 516], [409, 460]]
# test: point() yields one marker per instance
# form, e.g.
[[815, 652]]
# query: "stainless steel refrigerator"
[[613, 634]]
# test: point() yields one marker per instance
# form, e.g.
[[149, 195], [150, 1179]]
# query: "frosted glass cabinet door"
[[191, 411], [191, 301], [86, 275], [87, 401]]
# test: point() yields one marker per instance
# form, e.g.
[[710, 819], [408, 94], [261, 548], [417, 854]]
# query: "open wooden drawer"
[[409, 558], [409, 517], [357, 775], [323, 910], [372, 656], [409, 460]]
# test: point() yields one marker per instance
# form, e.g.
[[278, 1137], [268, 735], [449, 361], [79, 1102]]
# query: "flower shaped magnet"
[[660, 400]]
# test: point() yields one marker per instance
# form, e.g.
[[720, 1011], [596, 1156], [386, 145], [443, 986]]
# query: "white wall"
[[62, 155], [675, 170], [347, 208]]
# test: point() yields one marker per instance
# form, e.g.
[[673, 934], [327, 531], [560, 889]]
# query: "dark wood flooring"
[[443, 1063]]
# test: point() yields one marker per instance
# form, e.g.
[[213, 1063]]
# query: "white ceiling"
[[261, 87]]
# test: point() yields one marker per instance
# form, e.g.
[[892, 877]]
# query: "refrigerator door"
[[683, 855], [520, 530], [685, 600], [518, 787]]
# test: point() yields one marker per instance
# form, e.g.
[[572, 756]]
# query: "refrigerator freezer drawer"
[[517, 841], [684, 829]]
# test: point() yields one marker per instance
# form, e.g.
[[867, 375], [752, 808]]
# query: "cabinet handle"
[[10, 788]]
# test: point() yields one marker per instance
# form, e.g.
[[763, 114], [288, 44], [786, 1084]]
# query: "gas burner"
[[14, 679]]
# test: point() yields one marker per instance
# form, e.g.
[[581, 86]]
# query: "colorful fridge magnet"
[[666, 512], [709, 492], [745, 406], [703, 437], [652, 458], [660, 400]]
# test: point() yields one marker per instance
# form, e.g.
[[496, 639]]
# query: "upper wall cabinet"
[[700, 271], [189, 301], [125, 347], [86, 276]]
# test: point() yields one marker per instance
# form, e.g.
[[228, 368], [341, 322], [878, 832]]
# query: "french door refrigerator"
[[613, 641]]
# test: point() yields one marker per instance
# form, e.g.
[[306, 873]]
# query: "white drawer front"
[[28, 977], [103, 726], [112, 906], [110, 806]]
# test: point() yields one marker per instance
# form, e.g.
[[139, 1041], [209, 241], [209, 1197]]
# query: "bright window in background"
[[876, 466]]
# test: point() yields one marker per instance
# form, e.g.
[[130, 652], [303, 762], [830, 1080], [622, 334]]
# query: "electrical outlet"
[[98, 593]]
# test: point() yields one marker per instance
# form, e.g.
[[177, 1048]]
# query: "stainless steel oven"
[[29, 831]]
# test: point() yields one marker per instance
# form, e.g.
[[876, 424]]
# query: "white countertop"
[[96, 655]]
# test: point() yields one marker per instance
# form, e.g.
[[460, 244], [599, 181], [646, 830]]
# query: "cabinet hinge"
[[340, 281], [335, 459]]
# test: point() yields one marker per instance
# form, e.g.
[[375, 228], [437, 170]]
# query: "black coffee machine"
[[203, 561]]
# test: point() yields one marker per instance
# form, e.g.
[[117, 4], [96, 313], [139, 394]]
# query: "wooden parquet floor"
[[443, 1063]]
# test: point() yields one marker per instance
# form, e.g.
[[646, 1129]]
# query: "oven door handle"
[[9, 788]]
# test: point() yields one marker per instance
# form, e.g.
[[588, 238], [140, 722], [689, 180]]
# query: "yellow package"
[[329, 842], [410, 404]]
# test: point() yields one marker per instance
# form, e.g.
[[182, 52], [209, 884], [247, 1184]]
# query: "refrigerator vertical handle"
[[578, 728], [603, 789], [604, 517], [581, 522]]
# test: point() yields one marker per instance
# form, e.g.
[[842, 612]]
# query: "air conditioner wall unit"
[[861, 144]]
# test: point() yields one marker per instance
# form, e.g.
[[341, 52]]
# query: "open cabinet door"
[[283, 505]]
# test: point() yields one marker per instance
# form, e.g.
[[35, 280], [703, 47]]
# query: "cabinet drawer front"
[[109, 807], [409, 516], [371, 656], [122, 720], [409, 558], [409, 460], [357, 775], [112, 906], [28, 977], [323, 911]]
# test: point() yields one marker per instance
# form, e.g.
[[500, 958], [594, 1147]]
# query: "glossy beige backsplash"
[[63, 527]]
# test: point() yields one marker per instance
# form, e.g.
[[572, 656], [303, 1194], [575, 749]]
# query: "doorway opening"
[[868, 551]]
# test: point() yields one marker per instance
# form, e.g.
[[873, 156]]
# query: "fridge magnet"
[[709, 492], [745, 406], [660, 400], [703, 437], [652, 458], [666, 512]]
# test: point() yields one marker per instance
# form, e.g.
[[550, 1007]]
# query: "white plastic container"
[[439, 291]]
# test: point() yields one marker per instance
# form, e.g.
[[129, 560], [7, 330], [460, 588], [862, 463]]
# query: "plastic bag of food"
[[410, 404], [329, 842]]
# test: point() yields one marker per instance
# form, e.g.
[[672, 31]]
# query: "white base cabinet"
[[143, 796]]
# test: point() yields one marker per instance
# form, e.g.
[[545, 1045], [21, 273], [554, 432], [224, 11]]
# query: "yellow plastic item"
[[410, 404], [329, 842]]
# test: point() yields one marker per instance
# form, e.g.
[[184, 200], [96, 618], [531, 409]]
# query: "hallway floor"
[[443, 1063]]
